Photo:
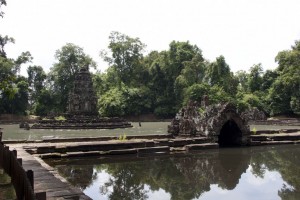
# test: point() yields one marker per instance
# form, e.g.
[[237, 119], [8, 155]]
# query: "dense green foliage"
[[158, 82]]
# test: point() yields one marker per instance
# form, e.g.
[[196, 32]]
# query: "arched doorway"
[[230, 135]]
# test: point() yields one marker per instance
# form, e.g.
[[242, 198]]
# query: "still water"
[[13, 132], [269, 172]]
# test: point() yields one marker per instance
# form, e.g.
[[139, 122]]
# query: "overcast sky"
[[246, 32]]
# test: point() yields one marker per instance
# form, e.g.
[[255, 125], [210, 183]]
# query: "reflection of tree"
[[230, 166], [125, 182], [189, 176], [184, 177], [284, 160], [78, 175]]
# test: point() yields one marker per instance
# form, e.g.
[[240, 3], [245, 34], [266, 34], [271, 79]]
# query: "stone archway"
[[230, 134], [219, 122]]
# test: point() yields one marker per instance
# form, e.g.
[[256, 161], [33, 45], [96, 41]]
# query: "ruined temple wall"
[[82, 99], [207, 121]]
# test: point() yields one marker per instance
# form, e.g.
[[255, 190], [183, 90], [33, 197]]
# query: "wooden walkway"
[[46, 179]]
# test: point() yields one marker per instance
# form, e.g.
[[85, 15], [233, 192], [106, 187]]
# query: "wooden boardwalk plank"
[[46, 179]]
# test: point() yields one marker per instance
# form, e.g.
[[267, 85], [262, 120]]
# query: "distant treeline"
[[160, 82]]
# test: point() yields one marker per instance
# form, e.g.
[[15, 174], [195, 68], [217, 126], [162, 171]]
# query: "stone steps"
[[195, 147], [276, 137], [141, 146], [109, 148], [260, 143], [261, 132]]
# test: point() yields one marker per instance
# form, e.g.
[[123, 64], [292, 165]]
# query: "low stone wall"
[[282, 122], [146, 118], [15, 119], [83, 122]]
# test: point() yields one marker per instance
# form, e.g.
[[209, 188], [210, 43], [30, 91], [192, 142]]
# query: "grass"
[[60, 118], [122, 137], [254, 131]]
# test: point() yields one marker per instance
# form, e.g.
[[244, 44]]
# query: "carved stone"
[[220, 122], [82, 110], [253, 114], [82, 99]]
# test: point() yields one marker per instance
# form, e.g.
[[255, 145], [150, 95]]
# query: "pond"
[[13, 132], [269, 172]]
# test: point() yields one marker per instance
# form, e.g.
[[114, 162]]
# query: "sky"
[[245, 32]]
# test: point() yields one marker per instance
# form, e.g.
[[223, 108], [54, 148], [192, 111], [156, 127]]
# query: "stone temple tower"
[[82, 110], [82, 99]]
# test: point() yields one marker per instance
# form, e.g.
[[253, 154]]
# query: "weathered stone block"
[[194, 147]]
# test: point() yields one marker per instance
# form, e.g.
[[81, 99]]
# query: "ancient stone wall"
[[82, 99], [213, 121], [253, 114]]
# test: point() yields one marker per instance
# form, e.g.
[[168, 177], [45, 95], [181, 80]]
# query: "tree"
[[192, 73], [242, 78], [112, 103], [137, 100], [36, 80], [71, 59], [196, 92], [6, 67], [255, 78], [7, 77], [18, 103], [126, 57], [45, 103], [179, 53], [218, 73], [268, 79], [125, 101], [4, 40], [2, 2], [215, 93], [284, 93], [13, 87]]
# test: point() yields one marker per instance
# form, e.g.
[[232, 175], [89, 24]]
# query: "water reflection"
[[80, 176], [273, 171]]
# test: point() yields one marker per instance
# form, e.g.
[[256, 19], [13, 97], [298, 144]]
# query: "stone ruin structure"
[[82, 99], [82, 112], [254, 114], [219, 122]]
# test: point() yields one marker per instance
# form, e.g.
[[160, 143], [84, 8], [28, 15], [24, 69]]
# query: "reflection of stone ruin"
[[220, 122], [82, 110], [82, 99]]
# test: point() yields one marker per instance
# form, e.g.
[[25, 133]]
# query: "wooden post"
[[20, 161], [15, 152], [30, 178], [1, 155], [40, 196], [6, 166]]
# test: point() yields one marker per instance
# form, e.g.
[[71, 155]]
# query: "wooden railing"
[[21, 180]]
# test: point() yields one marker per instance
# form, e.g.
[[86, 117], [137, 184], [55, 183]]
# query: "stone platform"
[[83, 122]]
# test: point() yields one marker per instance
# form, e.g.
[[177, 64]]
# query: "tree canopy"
[[158, 82]]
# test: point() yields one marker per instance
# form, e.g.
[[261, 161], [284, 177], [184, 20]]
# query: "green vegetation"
[[60, 118], [254, 131], [122, 137], [159, 82]]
